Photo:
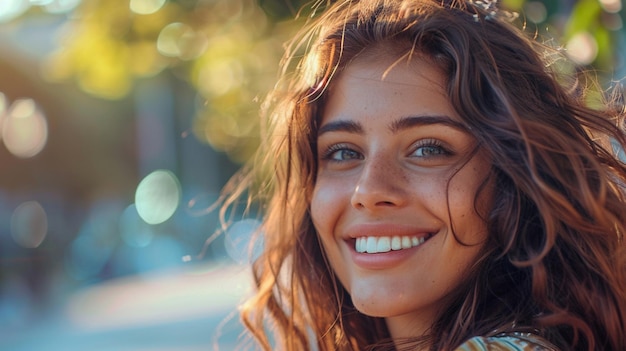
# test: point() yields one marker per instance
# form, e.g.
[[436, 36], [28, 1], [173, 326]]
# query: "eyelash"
[[333, 149], [431, 143]]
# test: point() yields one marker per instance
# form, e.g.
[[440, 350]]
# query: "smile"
[[380, 244]]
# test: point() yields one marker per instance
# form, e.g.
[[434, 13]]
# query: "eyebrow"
[[341, 126], [413, 121], [395, 126]]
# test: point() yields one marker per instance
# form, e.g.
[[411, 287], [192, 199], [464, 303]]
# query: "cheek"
[[322, 203], [468, 206], [329, 201]]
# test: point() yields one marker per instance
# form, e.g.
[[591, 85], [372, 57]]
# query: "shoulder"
[[507, 342]]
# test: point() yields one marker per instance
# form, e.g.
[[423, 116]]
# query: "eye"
[[429, 148], [341, 153]]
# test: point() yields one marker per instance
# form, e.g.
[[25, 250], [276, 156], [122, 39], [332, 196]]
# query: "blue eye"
[[425, 151], [429, 148]]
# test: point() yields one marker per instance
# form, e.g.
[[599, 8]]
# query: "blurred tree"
[[229, 50], [591, 31]]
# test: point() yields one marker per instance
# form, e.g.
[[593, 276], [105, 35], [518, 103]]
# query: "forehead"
[[382, 84], [394, 63]]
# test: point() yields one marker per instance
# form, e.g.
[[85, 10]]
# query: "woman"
[[429, 185]]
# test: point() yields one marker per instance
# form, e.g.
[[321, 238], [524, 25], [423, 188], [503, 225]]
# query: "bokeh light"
[[24, 130], [10, 9], [29, 224], [535, 11], [180, 40], [157, 196], [220, 77], [146, 7], [611, 6], [612, 21], [582, 48]]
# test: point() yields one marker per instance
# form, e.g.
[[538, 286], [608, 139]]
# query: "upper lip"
[[385, 229]]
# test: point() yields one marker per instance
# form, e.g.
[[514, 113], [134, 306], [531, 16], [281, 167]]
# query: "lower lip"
[[383, 260]]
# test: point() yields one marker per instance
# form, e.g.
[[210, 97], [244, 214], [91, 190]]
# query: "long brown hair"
[[554, 263]]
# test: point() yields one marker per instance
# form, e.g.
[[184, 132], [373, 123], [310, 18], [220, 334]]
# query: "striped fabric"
[[509, 342]]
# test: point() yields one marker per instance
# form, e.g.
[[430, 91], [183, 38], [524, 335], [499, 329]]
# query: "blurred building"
[[95, 190]]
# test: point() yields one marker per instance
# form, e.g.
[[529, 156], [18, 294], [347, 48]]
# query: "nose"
[[381, 184]]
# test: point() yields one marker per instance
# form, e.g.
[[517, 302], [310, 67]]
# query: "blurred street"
[[184, 310]]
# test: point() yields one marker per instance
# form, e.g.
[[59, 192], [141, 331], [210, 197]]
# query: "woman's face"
[[397, 177]]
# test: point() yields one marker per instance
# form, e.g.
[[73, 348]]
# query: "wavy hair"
[[554, 263]]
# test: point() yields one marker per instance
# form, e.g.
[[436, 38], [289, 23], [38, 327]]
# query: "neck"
[[408, 327]]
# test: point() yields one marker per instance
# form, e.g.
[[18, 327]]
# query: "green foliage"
[[229, 51]]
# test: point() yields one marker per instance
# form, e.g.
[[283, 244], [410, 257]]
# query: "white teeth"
[[384, 244], [371, 244], [377, 244], [415, 241], [406, 242], [396, 243]]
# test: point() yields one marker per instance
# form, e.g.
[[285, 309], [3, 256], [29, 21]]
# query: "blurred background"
[[120, 121]]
